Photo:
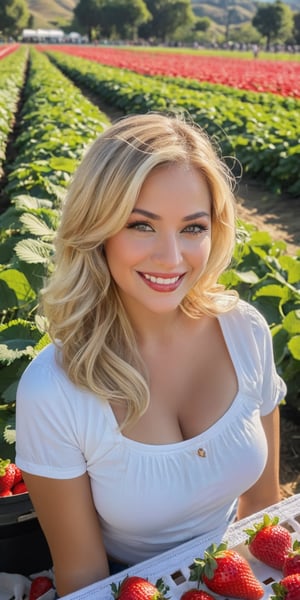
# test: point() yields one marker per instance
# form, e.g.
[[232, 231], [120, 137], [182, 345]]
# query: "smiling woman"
[[166, 243], [159, 384]]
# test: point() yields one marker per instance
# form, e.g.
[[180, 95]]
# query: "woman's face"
[[162, 251]]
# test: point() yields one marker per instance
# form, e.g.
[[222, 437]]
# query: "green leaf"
[[292, 322], [37, 226], [18, 283], [280, 340], [58, 163], [247, 276], [273, 290], [294, 346], [292, 266], [8, 298], [34, 251]]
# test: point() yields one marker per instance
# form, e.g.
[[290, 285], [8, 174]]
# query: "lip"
[[165, 282]]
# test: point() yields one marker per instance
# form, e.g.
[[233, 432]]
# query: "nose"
[[167, 251]]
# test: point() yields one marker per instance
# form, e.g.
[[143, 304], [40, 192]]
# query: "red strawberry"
[[7, 475], [288, 588], [269, 542], [138, 588], [18, 475], [195, 594], [19, 488], [40, 585], [292, 562], [5, 493], [227, 573]]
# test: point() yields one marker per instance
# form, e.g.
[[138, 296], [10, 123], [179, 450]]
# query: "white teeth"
[[161, 280]]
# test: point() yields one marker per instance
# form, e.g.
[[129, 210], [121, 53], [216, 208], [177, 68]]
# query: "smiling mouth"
[[162, 283], [162, 280]]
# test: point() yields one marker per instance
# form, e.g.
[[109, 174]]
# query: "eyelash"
[[193, 229]]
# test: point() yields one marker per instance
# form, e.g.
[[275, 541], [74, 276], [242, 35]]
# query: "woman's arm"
[[266, 490], [68, 518]]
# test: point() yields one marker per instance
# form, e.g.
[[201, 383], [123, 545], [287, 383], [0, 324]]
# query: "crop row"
[[56, 124], [248, 74], [12, 73], [263, 137]]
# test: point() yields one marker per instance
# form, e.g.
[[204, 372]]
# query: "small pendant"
[[201, 452]]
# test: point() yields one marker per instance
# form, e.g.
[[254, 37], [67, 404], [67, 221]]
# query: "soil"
[[279, 215], [289, 457]]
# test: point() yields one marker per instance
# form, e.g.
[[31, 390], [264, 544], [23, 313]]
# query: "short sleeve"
[[272, 386], [47, 440]]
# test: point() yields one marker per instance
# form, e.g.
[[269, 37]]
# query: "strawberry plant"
[[36, 184], [262, 135]]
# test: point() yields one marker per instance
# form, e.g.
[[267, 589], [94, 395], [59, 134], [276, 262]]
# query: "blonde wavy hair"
[[98, 349]]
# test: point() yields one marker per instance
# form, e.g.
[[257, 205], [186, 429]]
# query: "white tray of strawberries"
[[257, 558]]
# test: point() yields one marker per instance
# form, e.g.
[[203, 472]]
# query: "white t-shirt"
[[152, 497]]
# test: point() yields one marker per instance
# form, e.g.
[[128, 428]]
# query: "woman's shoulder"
[[244, 312], [246, 323], [44, 365]]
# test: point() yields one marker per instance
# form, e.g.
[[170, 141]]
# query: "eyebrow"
[[150, 215]]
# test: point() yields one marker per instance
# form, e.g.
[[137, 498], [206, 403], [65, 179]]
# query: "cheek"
[[122, 252], [201, 252]]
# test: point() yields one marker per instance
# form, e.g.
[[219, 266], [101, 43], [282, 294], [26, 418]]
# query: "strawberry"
[[227, 573], [7, 475], [5, 493], [196, 594], [138, 588], [18, 475], [40, 585], [19, 488], [292, 562], [269, 542], [288, 588]]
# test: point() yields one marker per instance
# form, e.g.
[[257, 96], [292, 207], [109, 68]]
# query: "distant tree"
[[202, 24], [167, 16], [87, 14], [197, 34], [296, 30], [274, 21], [245, 34], [14, 16], [122, 17]]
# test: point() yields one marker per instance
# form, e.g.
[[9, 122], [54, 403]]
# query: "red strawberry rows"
[[277, 77], [7, 49]]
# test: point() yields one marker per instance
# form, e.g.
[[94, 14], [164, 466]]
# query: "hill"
[[49, 14], [240, 12], [57, 13]]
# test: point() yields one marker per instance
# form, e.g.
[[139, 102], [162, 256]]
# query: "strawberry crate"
[[173, 566], [23, 547]]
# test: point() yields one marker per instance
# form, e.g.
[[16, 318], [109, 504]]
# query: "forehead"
[[178, 184]]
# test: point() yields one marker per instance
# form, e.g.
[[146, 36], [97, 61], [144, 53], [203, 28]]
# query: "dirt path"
[[280, 216]]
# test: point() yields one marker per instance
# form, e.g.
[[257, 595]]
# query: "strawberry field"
[[46, 122]]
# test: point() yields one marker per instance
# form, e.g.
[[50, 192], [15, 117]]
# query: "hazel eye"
[[195, 229], [140, 226]]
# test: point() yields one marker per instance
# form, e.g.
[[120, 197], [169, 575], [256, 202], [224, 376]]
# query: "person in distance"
[[152, 416]]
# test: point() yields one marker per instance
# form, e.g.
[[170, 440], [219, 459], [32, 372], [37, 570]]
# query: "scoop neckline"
[[205, 435]]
